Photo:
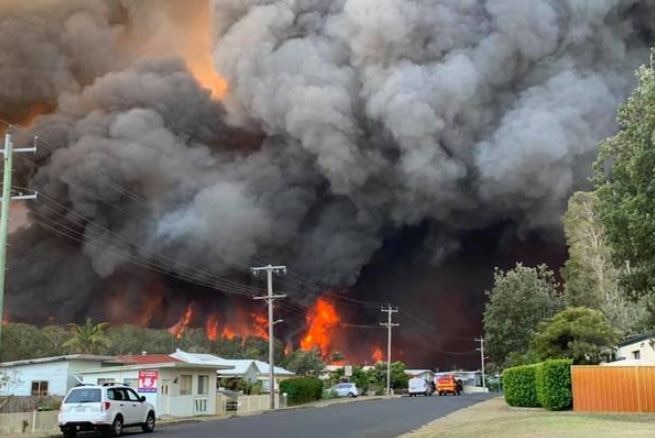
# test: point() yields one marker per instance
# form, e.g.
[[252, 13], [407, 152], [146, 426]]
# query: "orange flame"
[[261, 326], [322, 319], [228, 333], [377, 355], [211, 328], [180, 327]]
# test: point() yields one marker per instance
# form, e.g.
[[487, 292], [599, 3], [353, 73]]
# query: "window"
[[132, 396], [132, 383], [636, 354], [185, 385], [84, 395], [40, 387], [104, 381], [203, 385]]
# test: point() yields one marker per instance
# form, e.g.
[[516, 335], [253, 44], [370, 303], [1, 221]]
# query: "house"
[[248, 370], [176, 388], [46, 376], [637, 349], [427, 375]]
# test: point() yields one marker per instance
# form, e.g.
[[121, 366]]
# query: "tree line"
[[607, 290]]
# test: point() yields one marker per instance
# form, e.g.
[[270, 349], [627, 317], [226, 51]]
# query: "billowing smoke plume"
[[344, 122]]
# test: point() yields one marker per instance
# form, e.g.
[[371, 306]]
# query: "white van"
[[419, 386]]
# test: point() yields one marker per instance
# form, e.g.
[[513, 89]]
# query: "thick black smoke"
[[345, 122]]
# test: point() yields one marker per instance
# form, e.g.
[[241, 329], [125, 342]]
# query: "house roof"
[[69, 357], [636, 338], [170, 364], [143, 359], [415, 372], [239, 366]]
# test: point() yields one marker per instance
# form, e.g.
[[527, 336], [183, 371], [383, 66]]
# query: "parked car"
[[447, 385], [109, 408], [345, 390], [419, 386]]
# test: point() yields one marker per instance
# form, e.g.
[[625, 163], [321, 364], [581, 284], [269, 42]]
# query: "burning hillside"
[[358, 142]]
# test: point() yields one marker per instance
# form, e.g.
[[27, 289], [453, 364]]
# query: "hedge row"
[[554, 384], [547, 384], [302, 389], [521, 386]]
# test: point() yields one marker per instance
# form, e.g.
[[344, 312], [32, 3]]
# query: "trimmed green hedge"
[[520, 386], [553, 384], [302, 389]]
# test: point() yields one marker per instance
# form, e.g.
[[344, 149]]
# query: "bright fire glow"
[[252, 326], [180, 327], [211, 328], [322, 320], [377, 355]]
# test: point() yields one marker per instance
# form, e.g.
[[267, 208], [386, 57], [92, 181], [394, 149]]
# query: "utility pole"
[[8, 153], [389, 325], [270, 298], [481, 350]]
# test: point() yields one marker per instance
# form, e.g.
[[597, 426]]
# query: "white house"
[[247, 369], [423, 374], [176, 388], [637, 350], [47, 376]]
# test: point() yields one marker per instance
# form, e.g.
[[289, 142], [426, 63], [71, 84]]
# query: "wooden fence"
[[613, 388], [26, 422]]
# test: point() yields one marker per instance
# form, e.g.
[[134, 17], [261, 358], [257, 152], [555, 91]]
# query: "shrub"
[[302, 390], [553, 384], [520, 386]]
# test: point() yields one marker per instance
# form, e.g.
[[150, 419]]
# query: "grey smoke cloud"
[[345, 121]]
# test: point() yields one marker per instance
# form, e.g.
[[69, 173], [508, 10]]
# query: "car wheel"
[[149, 425], [351, 395], [69, 433], [117, 426]]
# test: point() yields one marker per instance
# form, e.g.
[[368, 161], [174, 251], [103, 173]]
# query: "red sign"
[[148, 381]]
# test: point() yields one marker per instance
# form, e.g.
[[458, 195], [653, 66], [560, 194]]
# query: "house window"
[[39, 387], [636, 354], [185, 385], [132, 383], [104, 381], [203, 385]]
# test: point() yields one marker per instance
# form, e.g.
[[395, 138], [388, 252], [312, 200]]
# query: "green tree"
[[306, 363], [54, 337], [378, 375], [626, 188], [519, 300], [88, 338], [22, 341], [578, 333], [130, 339], [591, 279]]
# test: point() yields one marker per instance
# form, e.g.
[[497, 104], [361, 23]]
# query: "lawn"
[[494, 419]]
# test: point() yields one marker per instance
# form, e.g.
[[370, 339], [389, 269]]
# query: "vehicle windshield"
[[83, 395]]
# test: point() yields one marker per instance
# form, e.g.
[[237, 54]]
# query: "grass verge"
[[494, 419]]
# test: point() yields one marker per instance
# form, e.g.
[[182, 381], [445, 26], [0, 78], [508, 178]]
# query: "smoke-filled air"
[[182, 142]]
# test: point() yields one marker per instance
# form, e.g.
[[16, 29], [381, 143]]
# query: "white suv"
[[109, 408]]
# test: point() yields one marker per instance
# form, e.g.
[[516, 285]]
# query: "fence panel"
[[613, 388], [25, 422]]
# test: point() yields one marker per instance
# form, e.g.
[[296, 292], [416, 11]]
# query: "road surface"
[[374, 419]]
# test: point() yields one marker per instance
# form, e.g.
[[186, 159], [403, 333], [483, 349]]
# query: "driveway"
[[374, 419]]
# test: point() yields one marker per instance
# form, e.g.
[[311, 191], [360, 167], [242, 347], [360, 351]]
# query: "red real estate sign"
[[148, 381]]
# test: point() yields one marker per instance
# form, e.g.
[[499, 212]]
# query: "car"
[[108, 408], [345, 390], [419, 386], [447, 385]]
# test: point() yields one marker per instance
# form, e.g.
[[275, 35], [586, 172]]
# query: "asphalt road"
[[375, 419]]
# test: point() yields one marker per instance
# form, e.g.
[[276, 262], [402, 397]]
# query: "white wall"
[[172, 404], [646, 351], [22, 376], [60, 376]]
